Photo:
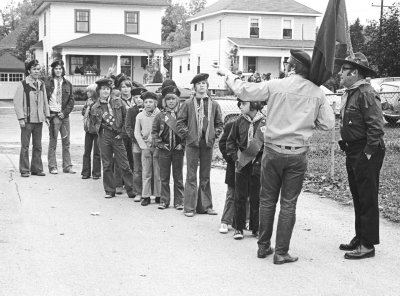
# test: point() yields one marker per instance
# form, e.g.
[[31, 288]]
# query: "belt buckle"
[[293, 149]]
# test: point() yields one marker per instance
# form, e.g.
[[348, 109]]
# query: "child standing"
[[199, 124], [91, 138], [143, 127], [170, 148], [245, 146]]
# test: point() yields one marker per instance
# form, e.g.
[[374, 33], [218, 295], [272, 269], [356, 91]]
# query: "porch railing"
[[82, 80]]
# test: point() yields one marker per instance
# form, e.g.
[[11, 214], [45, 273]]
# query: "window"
[[180, 65], [15, 77], [84, 65], [126, 65], [251, 64], [44, 24], [131, 22], [202, 32], [188, 65], [198, 65], [195, 27], [82, 19], [11, 77], [254, 28], [287, 29]]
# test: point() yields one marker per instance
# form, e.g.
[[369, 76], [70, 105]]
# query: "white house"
[[92, 35], [245, 35]]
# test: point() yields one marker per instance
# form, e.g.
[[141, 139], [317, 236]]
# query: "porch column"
[[241, 63], [64, 59], [118, 69]]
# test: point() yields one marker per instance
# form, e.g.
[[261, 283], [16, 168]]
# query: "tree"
[[357, 35], [28, 36], [196, 6], [175, 17]]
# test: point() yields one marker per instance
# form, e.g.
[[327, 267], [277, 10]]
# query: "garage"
[[11, 73]]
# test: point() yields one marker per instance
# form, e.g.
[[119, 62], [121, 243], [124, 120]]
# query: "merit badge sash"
[[109, 120]]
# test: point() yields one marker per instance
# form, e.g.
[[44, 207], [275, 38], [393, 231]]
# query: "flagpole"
[[348, 38]]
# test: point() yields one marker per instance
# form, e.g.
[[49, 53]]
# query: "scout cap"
[[301, 56], [137, 91], [104, 81], [149, 95], [199, 77], [359, 62]]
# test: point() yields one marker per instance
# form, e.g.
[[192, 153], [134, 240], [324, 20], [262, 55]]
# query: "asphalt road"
[[51, 244]]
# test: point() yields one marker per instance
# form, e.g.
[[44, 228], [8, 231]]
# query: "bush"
[[80, 94]]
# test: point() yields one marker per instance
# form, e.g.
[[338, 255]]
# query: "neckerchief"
[[344, 98], [250, 132], [128, 101], [109, 106], [172, 139], [199, 110]]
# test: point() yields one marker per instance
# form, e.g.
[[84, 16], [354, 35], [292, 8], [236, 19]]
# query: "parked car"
[[391, 108]]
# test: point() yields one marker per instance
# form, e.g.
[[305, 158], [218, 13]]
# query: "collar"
[[256, 118], [32, 81], [357, 84]]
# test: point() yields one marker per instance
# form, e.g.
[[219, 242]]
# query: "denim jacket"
[[67, 103], [119, 113]]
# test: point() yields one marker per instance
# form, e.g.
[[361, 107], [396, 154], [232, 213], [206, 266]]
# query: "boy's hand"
[[220, 70]]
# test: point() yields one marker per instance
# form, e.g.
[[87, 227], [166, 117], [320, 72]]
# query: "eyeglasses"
[[347, 68]]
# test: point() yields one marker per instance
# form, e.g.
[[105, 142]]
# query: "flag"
[[333, 28]]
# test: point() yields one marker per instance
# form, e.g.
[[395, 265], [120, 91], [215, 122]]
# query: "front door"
[[127, 66]]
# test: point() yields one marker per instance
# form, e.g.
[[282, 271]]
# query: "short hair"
[[127, 82], [99, 86], [29, 66], [53, 74]]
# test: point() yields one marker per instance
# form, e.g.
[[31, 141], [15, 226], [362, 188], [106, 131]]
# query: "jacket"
[[295, 106], [160, 133], [187, 123], [130, 122], [230, 163], [361, 117], [124, 133], [119, 113], [37, 112], [89, 125], [67, 96]]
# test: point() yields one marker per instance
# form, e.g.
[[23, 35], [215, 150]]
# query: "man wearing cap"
[[199, 123], [32, 109], [108, 115], [130, 123], [61, 102], [361, 130], [295, 107]]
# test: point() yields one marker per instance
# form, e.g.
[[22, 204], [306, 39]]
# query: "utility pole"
[[381, 18]]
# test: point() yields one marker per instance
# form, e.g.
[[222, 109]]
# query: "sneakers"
[[211, 212], [137, 198], [162, 206], [54, 171], [25, 174], [85, 177], [223, 228], [69, 171], [188, 214], [96, 177], [109, 195], [238, 234], [41, 174], [145, 201], [179, 207], [119, 190]]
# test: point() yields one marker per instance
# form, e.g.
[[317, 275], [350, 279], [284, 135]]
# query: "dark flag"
[[332, 29]]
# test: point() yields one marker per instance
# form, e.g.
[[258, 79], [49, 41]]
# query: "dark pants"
[[112, 148], [62, 127], [91, 143], [229, 208], [117, 171], [363, 175], [36, 166], [280, 174], [247, 184], [199, 199], [137, 173], [174, 159]]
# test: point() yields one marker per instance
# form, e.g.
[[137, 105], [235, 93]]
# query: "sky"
[[355, 8]]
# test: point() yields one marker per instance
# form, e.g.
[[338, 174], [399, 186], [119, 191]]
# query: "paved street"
[[51, 244]]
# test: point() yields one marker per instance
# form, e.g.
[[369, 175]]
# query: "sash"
[[171, 122], [251, 152], [109, 120]]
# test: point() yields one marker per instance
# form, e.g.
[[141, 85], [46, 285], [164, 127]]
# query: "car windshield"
[[389, 87]]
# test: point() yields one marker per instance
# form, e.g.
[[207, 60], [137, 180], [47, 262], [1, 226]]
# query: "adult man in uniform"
[[295, 107], [30, 103], [361, 129], [61, 102]]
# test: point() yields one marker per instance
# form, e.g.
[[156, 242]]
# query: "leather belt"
[[291, 148]]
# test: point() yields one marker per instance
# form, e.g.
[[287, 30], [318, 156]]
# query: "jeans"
[[91, 141], [137, 173], [280, 174], [174, 159], [229, 208], [151, 173], [112, 148], [36, 166], [199, 199], [363, 176], [61, 126], [247, 184], [117, 170]]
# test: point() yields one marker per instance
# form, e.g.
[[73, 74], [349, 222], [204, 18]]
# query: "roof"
[[44, 3], [37, 45], [8, 62], [183, 51], [272, 43], [110, 41], [281, 7]]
